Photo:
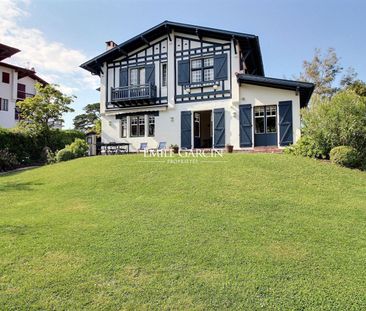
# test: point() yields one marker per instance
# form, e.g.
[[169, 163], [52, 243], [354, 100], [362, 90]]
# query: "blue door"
[[245, 122], [265, 125], [186, 129], [285, 112], [219, 128]]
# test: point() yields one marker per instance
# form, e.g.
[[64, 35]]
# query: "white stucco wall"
[[9, 91]]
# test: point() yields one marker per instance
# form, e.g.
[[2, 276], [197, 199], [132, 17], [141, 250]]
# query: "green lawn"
[[258, 232]]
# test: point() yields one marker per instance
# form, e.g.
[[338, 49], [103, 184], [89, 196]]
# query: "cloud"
[[52, 60]]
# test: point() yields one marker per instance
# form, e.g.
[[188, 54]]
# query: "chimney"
[[32, 69], [110, 45]]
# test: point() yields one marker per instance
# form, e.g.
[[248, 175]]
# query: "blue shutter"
[[186, 129], [219, 128], [150, 74], [245, 122], [220, 67], [123, 77], [285, 115], [183, 72]]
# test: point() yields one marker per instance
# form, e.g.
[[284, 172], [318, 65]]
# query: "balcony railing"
[[133, 93], [24, 95]]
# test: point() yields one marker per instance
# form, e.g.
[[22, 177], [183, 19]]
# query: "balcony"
[[23, 95], [132, 96]]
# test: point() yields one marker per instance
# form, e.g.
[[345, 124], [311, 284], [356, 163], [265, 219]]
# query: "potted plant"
[[229, 148], [175, 148]]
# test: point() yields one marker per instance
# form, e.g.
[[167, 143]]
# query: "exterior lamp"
[[297, 91], [216, 86]]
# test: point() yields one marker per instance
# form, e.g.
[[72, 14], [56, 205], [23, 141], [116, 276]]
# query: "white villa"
[[16, 84], [195, 87]]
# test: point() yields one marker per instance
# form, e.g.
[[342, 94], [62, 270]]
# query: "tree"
[[88, 121], [349, 78], [358, 86], [323, 71], [38, 113]]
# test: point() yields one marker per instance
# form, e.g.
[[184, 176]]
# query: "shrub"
[[79, 148], [64, 155], [345, 156], [340, 121], [60, 138], [48, 156], [8, 160], [22, 144], [27, 146], [306, 147]]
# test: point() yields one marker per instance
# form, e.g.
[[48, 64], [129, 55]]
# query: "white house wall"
[[8, 91]]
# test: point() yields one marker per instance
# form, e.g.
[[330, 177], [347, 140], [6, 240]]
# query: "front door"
[[202, 129], [265, 125]]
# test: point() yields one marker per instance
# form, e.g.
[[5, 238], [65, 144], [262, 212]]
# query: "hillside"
[[252, 231]]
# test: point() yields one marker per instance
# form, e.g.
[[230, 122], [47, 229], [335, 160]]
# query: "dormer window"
[[202, 70]]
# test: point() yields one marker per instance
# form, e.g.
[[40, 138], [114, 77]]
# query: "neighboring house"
[[196, 87], [16, 84]]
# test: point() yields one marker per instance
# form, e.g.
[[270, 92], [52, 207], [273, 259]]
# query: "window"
[[4, 104], [196, 63], [151, 126], [164, 75], [6, 77], [202, 70], [208, 74], [137, 76], [196, 76], [141, 76], [137, 126], [259, 120], [21, 91], [124, 127], [16, 113], [265, 119], [142, 126], [271, 113], [208, 62]]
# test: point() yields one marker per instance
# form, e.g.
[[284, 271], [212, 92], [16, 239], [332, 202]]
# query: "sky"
[[56, 36]]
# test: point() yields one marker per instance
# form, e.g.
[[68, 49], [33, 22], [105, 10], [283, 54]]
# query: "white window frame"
[[138, 77], [258, 117], [4, 103], [149, 119], [124, 125], [164, 77], [206, 63]]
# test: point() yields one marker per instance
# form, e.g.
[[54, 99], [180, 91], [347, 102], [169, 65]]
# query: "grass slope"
[[255, 232]]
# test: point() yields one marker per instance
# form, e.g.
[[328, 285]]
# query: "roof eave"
[[305, 88], [101, 58]]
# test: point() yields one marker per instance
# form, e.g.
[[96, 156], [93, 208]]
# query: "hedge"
[[345, 156], [27, 147]]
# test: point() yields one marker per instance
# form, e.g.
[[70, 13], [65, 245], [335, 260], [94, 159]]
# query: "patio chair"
[[143, 147], [162, 145]]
